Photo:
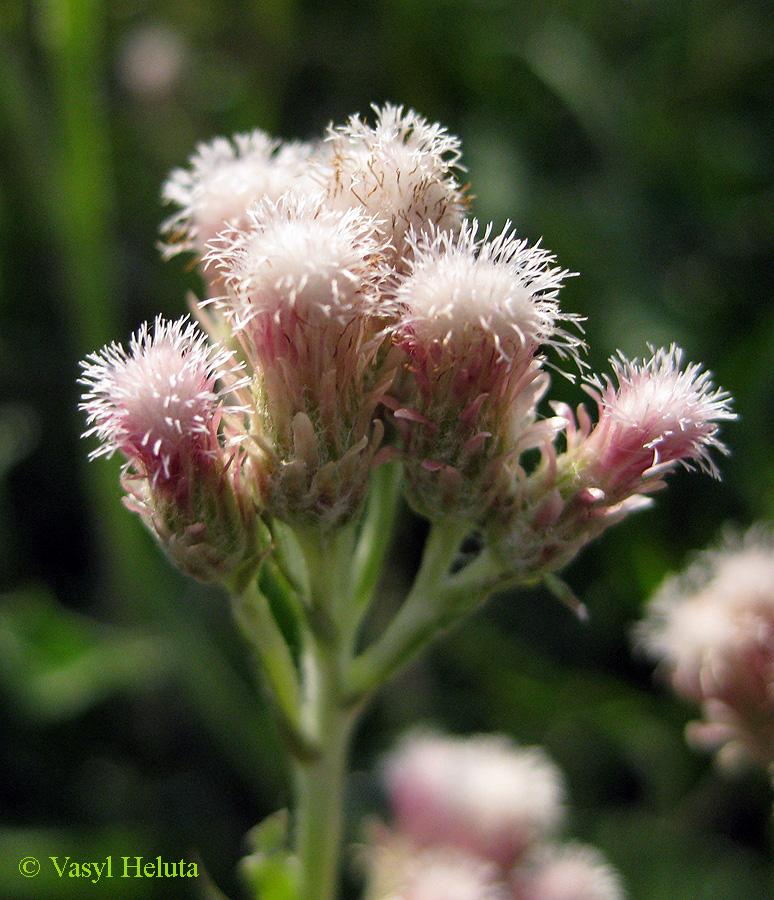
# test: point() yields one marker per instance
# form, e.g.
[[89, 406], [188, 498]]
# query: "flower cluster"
[[479, 818], [371, 318], [712, 631]]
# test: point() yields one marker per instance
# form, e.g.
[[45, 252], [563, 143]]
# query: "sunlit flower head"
[[480, 306], [223, 179], [158, 403], [570, 872], [712, 631], [660, 413], [401, 170], [303, 295], [482, 794], [299, 261], [161, 404], [475, 314], [653, 415]]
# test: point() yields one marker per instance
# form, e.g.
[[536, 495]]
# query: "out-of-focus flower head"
[[162, 404], [400, 170], [152, 61], [475, 313], [658, 415], [569, 872], [398, 869], [482, 794], [477, 818], [712, 631], [224, 178], [303, 296]]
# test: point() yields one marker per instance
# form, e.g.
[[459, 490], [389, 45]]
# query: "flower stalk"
[[319, 780]]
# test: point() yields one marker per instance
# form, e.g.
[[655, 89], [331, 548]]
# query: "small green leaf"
[[271, 870]]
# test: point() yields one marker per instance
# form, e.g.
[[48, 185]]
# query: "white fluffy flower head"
[[303, 296], [400, 170], [297, 256], [466, 294], [159, 402], [224, 178]]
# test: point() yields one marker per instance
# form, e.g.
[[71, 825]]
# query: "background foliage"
[[636, 138]]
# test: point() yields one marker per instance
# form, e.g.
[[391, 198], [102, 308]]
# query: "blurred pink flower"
[[712, 631], [483, 794], [570, 872], [400, 870]]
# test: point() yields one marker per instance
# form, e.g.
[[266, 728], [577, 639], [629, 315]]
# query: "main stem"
[[320, 779]]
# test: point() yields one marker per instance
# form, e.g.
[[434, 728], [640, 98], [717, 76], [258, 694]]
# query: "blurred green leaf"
[[270, 869], [58, 664]]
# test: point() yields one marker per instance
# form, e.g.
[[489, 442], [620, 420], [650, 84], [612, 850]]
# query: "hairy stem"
[[319, 781]]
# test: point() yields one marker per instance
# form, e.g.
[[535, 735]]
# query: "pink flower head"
[[475, 314], [481, 794], [303, 295], [399, 170], [712, 630], [476, 311], [571, 872], [224, 178], [160, 405], [658, 415], [400, 870]]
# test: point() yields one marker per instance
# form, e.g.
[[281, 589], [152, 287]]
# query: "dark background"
[[636, 139]]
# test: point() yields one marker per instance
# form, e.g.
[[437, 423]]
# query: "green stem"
[[328, 558], [322, 693], [320, 781], [423, 615], [253, 613], [376, 533]]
